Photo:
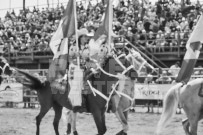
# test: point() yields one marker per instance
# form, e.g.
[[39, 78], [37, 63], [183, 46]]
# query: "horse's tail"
[[170, 104], [29, 80]]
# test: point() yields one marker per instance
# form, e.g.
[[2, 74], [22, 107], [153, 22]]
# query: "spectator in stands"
[[149, 79], [173, 44], [143, 38], [26, 99], [174, 69], [129, 19], [164, 78], [201, 71], [140, 27], [160, 41], [168, 39], [151, 41], [146, 24], [196, 74], [6, 47]]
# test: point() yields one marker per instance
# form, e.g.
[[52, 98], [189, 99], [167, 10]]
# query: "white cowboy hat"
[[84, 31]]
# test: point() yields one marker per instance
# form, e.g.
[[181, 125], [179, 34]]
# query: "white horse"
[[188, 96]]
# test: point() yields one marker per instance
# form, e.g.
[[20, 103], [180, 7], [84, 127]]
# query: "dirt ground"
[[22, 122]]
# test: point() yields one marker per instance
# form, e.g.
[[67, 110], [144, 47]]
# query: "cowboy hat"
[[84, 31]]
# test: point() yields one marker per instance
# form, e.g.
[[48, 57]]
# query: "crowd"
[[154, 26]]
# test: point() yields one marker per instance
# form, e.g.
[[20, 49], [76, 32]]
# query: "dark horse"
[[96, 104], [4, 68]]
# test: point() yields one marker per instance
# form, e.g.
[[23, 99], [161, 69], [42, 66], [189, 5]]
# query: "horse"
[[120, 103], [190, 98], [4, 68], [56, 99]]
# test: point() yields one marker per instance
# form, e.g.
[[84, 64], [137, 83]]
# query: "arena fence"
[[146, 92]]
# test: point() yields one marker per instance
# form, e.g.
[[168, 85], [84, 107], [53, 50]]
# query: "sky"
[[5, 5]]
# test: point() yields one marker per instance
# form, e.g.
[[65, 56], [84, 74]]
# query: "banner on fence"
[[11, 92], [151, 91]]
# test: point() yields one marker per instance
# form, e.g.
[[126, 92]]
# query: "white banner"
[[151, 91], [11, 92]]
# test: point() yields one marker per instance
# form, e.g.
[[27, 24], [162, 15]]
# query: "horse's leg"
[[74, 117], [121, 117], [119, 105], [125, 128], [126, 114], [69, 121], [57, 117], [43, 111], [186, 126], [97, 108], [66, 114], [193, 117], [103, 120], [194, 124], [98, 118]]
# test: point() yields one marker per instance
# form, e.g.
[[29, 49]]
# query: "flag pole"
[[110, 26], [76, 34]]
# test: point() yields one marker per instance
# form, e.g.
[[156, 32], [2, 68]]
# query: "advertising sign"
[[11, 92], [151, 91]]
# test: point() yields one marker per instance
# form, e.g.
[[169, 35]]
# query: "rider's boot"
[[75, 133]]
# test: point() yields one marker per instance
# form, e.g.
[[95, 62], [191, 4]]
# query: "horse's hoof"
[[120, 133], [75, 133], [68, 129]]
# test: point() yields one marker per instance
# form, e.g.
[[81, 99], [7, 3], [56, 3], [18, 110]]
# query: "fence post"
[[32, 53], [179, 43]]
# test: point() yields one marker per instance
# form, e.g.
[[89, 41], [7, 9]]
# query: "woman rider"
[[75, 74]]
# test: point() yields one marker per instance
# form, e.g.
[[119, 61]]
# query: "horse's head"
[[5, 67]]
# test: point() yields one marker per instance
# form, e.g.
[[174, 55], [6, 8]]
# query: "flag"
[[116, 3], [65, 29], [196, 35], [106, 25], [86, 4], [59, 43], [193, 50], [68, 25]]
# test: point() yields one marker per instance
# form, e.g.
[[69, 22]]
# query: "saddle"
[[59, 86]]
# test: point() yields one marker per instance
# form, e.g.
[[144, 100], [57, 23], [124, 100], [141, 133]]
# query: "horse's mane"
[[32, 82]]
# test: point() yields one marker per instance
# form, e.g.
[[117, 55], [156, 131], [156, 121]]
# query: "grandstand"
[[160, 30]]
